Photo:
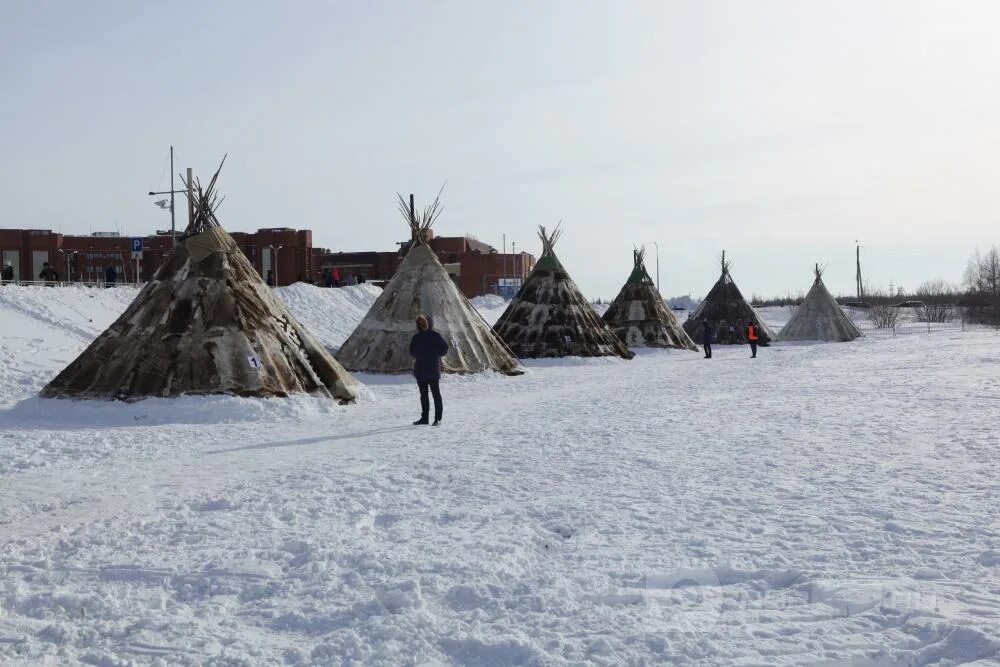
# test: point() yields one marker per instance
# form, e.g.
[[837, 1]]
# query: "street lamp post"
[[171, 192], [68, 256], [503, 272], [274, 257], [513, 251]]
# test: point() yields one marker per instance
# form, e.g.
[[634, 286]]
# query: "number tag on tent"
[[254, 362]]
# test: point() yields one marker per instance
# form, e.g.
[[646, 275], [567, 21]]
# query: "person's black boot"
[[421, 422], [437, 422]]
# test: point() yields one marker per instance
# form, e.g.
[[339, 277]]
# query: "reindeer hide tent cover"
[[205, 324], [819, 317], [381, 342], [639, 316], [727, 312], [550, 317]]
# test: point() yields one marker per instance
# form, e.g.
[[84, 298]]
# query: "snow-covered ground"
[[822, 504]]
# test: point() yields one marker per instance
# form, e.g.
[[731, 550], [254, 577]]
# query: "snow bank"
[[330, 314], [491, 307]]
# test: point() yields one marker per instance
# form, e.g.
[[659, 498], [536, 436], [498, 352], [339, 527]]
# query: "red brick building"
[[476, 267], [286, 252]]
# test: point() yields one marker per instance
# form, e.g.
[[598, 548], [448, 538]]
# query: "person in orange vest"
[[753, 337]]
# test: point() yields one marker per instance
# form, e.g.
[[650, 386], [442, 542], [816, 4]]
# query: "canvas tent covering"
[[639, 316], [205, 324], [549, 317], [381, 342], [819, 317], [727, 312]]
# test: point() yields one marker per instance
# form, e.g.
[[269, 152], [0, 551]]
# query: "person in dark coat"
[[48, 274], [706, 338], [110, 275], [8, 273], [270, 279], [427, 347]]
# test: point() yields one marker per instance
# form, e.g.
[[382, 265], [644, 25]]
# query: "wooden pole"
[[858, 274], [190, 185]]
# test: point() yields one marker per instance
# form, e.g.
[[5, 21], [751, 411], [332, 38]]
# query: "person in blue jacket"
[[427, 347]]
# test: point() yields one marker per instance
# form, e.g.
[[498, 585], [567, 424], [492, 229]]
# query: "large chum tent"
[[727, 312], [205, 324], [819, 317], [381, 342], [549, 317], [639, 316]]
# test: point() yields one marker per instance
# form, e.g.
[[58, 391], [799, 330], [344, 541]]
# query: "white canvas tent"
[[381, 342], [819, 317]]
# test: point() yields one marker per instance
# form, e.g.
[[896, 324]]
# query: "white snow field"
[[831, 504]]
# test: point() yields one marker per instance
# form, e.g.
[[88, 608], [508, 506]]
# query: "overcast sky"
[[780, 131]]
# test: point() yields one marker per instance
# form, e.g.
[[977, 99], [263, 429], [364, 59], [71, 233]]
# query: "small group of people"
[[752, 335], [7, 275], [332, 278], [48, 274]]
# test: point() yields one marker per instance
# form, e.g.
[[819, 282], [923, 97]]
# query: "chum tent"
[[819, 317], [550, 317], [204, 324], [640, 317], [421, 285], [727, 312]]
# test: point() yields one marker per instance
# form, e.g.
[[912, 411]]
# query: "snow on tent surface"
[[727, 312], [639, 316], [205, 324], [819, 317], [381, 342], [550, 317]]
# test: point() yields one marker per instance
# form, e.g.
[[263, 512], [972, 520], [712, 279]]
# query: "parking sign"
[[136, 248]]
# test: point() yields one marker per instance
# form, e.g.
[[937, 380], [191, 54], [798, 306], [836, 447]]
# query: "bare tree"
[[881, 311], [982, 277], [935, 312], [938, 297]]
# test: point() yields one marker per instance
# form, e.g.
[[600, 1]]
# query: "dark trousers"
[[708, 350], [753, 348], [425, 404]]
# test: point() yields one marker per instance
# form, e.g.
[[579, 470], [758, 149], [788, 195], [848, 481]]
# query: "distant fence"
[[66, 283], [907, 328]]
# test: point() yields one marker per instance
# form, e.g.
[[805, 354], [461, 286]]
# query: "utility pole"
[[858, 275]]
